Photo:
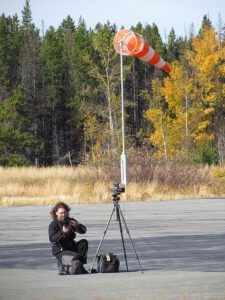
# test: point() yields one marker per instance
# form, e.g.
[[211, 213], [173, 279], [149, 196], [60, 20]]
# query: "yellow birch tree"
[[193, 96], [207, 61]]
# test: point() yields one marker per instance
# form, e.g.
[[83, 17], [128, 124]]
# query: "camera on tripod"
[[116, 190]]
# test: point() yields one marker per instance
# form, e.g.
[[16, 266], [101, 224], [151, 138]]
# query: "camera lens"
[[66, 223]]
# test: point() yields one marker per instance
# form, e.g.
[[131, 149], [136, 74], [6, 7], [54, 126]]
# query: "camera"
[[116, 190], [66, 223]]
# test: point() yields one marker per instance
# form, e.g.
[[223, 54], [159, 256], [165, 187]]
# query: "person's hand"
[[65, 229], [73, 224]]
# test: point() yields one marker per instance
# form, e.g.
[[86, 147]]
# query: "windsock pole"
[[123, 158], [128, 43]]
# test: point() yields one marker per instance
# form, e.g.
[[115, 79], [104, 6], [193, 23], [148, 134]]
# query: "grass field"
[[92, 184]]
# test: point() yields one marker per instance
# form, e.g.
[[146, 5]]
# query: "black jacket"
[[63, 241]]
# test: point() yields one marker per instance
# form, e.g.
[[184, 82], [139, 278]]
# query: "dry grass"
[[92, 184], [40, 186]]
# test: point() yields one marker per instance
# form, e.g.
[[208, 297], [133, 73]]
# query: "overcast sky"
[[166, 14]]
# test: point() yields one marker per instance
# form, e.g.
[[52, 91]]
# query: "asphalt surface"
[[180, 245]]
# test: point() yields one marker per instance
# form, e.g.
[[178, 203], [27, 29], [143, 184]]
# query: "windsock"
[[130, 43]]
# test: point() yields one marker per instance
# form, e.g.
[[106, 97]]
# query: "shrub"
[[15, 160], [207, 156]]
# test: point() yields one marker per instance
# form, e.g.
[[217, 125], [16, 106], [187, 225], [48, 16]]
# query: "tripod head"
[[116, 191]]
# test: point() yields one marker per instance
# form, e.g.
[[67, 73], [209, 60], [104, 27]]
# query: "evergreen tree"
[[156, 41], [51, 54], [82, 104], [206, 23], [30, 73], [10, 43], [61, 93], [172, 47], [176, 47], [15, 138]]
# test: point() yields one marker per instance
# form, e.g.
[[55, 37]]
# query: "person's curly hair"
[[57, 206]]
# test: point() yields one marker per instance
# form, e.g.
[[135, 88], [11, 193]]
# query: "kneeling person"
[[62, 232]]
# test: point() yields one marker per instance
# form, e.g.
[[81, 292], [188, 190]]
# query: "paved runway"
[[180, 244]]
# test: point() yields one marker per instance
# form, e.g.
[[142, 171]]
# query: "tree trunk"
[[55, 147], [186, 127], [164, 142], [221, 145]]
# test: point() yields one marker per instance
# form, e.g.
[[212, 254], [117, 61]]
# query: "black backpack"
[[71, 266], [108, 263]]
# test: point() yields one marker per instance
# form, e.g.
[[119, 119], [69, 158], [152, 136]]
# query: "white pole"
[[123, 159]]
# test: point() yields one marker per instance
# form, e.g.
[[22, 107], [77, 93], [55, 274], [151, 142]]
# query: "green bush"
[[207, 156], [13, 160]]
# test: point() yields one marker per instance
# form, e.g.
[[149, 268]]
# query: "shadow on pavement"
[[204, 253]]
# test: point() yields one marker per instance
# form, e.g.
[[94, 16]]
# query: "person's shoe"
[[59, 266]]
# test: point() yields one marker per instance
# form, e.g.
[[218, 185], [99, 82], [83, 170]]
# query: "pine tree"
[[52, 72], [10, 44], [206, 23], [61, 93], [30, 73], [15, 138], [83, 103]]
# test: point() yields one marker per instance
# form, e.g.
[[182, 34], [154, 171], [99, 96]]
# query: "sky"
[[179, 14]]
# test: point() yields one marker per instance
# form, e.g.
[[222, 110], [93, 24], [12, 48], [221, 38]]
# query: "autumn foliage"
[[60, 98], [189, 105]]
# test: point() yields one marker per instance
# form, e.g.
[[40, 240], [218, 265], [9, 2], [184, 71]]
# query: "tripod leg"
[[121, 233], [104, 233], [131, 240]]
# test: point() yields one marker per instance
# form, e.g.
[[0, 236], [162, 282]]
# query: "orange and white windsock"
[[129, 43]]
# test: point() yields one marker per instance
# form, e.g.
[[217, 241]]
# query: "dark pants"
[[79, 253]]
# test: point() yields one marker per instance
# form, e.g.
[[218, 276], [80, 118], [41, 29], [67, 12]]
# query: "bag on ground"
[[71, 266], [107, 263]]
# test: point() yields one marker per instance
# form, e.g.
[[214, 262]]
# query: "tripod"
[[119, 215]]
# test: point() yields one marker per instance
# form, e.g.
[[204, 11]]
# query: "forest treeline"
[[60, 94]]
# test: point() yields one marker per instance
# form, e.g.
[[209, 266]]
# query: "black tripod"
[[116, 192]]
